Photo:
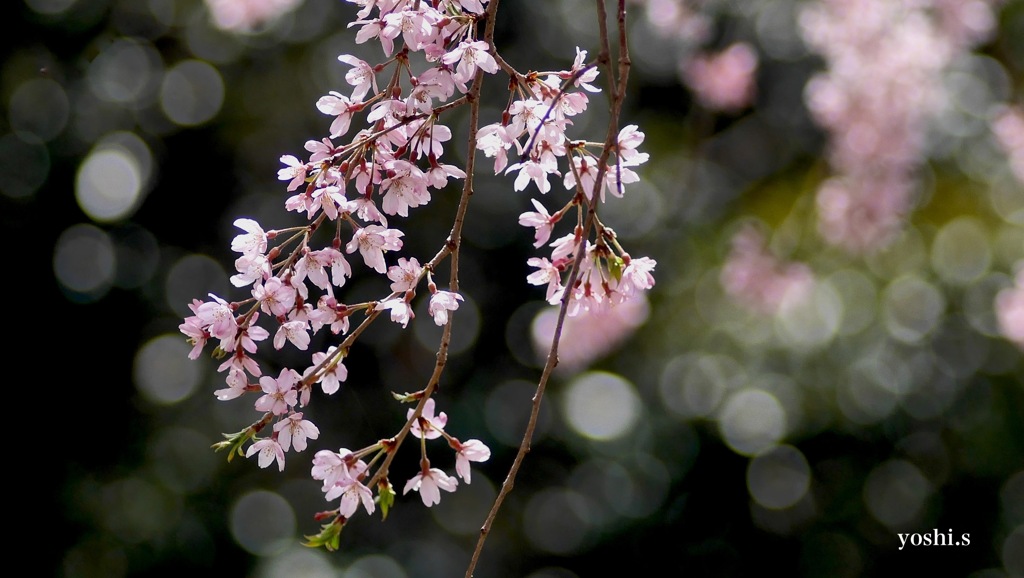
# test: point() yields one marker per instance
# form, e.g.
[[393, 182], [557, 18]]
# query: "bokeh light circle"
[[126, 72], [263, 523], [752, 421], [961, 251], [24, 166], [108, 184], [555, 520], [193, 277], [601, 405], [192, 93], [779, 477], [694, 384], [39, 108], [895, 493], [912, 308], [160, 375], [84, 261]]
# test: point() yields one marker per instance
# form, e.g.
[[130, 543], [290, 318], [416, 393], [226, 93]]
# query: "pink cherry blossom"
[[406, 275], [406, 188], [219, 318], [194, 328], [433, 425], [339, 106], [361, 76], [353, 494], [315, 263], [429, 483], [293, 431], [253, 241], [469, 451], [401, 311], [251, 267], [532, 170], [441, 303], [276, 297], [372, 241], [237, 385], [546, 273], [541, 221], [247, 15], [295, 331], [470, 57], [295, 172], [330, 380], [269, 451], [759, 280], [280, 393], [332, 467], [321, 150]]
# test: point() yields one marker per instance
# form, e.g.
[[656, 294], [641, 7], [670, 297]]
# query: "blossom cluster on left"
[[352, 187]]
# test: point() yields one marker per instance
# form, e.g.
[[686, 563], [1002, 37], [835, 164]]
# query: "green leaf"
[[385, 497], [233, 442], [329, 536], [407, 397], [615, 266]]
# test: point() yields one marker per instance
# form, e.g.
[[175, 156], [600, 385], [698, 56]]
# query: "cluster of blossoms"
[[351, 190], [878, 128]]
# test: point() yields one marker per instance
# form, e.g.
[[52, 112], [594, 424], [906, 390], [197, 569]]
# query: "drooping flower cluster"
[[878, 128], [350, 185]]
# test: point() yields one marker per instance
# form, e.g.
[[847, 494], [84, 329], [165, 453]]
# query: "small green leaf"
[[329, 536], [408, 397], [385, 497], [615, 266], [233, 442]]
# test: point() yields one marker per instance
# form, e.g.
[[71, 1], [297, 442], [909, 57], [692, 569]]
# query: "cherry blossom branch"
[[616, 98], [452, 247]]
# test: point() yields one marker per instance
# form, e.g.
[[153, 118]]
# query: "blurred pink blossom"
[[1010, 309], [883, 84], [586, 338], [759, 280], [246, 15], [724, 81], [680, 19], [1008, 127]]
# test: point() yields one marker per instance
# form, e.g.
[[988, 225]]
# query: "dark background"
[[113, 423]]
